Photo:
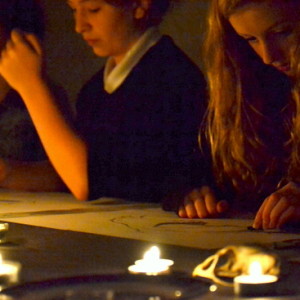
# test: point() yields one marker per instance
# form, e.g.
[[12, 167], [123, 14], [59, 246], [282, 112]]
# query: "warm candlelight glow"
[[152, 254], [9, 272], [255, 275], [255, 283], [255, 269], [151, 264]]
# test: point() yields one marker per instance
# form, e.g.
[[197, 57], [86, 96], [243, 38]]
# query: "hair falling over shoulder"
[[238, 89], [295, 132]]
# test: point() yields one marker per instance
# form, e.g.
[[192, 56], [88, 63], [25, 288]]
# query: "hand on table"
[[281, 207], [21, 60], [202, 203]]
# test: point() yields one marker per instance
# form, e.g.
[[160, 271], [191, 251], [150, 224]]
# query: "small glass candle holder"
[[3, 231], [255, 283], [151, 264], [9, 272]]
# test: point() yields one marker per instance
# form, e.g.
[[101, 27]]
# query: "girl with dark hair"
[[137, 118], [253, 114]]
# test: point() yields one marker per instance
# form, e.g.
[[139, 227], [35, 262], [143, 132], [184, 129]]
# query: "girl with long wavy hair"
[[253, 120]]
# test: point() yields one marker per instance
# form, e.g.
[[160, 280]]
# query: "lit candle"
[[151, 264], [9, 272], [255, 283], [3, 231]]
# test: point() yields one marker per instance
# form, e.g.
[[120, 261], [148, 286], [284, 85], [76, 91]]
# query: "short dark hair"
[[26, 15], [157, 10]]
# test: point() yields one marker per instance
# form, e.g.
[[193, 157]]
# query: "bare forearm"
[[21, 66], [64, 147]]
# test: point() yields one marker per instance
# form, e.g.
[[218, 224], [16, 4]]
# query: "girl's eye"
[[94, 10], [284, 32]]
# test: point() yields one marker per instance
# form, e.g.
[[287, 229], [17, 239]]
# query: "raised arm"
[[21, 66]]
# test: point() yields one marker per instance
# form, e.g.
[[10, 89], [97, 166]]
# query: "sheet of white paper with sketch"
[[117, 218]]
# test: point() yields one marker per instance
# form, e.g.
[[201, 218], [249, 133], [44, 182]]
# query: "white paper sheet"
[[116, 218]]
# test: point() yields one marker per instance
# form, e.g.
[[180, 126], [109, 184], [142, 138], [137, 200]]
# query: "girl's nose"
[[81, 23], [269, 52]]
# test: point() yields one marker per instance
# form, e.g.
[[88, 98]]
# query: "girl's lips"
[[91, 42]]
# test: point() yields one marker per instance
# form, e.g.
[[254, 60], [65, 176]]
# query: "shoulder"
[[171, 62], [167, 51]]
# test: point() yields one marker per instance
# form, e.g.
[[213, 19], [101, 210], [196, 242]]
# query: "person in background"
[[23, 162], [137, 118], [253, 120]]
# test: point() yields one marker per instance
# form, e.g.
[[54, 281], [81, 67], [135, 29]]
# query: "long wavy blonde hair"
[[240, 88]]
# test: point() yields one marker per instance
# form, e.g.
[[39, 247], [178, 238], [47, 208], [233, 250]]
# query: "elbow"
[[81, 195], [79, 186], [80, 192]]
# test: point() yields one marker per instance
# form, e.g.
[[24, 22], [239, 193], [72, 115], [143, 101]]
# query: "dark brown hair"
[[26, 15], [156, 12]]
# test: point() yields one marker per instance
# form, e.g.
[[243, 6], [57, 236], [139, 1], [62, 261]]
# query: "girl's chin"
[[100, 52]]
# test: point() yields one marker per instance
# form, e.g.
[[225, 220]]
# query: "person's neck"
[[134, 38]]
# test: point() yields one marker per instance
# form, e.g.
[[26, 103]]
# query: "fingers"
[[26, 38], [270, 212], [222, 206], [182, 212], [277, 210], [21, 59], [267, 214], [34, 43], [287, 215], [202, 203], [282, 207], [190, 208], [201, 208], [195, 203], [15, 38], [210, 202], [18, 38], [7, 49]]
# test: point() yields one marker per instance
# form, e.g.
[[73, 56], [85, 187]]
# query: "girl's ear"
[[141, 10]]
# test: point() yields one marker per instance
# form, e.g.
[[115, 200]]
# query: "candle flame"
[[152, 254], [151, 264], [255, 269]]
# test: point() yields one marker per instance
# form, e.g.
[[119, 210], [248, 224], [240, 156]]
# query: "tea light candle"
[[9, 272], [151, 264], [255, 283]]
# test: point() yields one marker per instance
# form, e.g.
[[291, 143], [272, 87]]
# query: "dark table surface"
[[47, 254]]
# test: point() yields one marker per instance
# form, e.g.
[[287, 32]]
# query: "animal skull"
[[233, 260]]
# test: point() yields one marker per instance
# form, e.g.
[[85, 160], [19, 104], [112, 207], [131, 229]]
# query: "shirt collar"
[[114, 75]]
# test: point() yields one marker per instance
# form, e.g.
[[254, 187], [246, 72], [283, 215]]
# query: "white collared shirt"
[[114, 75]]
